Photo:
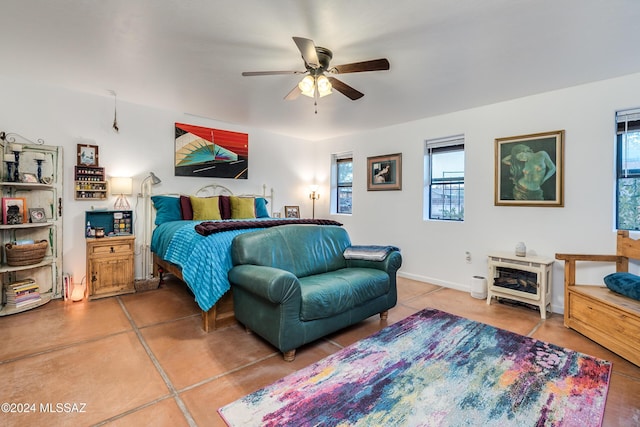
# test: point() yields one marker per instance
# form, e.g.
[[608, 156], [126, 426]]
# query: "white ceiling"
[[188, 55]]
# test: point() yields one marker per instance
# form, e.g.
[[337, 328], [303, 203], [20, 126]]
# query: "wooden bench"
[[608, 318]]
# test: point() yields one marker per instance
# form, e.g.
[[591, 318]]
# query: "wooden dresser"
[[110, 266]]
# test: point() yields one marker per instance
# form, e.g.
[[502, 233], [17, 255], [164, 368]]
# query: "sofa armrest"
[[390, 264], [273, 284]]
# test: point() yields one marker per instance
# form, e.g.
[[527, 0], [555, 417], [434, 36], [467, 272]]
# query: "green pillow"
[[205, 208], [624, 283], [242, 207]]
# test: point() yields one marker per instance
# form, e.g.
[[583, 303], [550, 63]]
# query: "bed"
[[192, 237]]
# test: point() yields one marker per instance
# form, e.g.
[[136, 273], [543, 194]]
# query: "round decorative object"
[[37, 215]]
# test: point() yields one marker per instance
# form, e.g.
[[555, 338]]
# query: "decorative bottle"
[[521, 249]]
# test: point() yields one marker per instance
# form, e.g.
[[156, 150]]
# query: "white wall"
[[433, 251], [145, 143]]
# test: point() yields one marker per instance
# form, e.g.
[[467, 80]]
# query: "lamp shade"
[[121, 185]]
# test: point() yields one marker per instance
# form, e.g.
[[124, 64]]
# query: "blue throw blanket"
[[204, 260], [369, 252]]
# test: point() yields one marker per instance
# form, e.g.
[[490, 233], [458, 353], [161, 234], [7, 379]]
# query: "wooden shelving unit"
[[90, 183]]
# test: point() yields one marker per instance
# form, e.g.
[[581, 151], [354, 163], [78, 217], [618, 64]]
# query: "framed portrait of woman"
[[529, 170], [384, 172]]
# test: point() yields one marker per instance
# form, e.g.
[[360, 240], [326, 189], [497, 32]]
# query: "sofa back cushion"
[[303, 250]]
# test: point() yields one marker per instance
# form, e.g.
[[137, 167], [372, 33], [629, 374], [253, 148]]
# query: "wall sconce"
[[314, 195], [122, 186]]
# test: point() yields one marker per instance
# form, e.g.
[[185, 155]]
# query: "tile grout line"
[[62, 347], [172, 390]]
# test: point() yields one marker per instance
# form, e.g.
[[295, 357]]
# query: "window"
[[628, 170], [344, 183], [444, 179]]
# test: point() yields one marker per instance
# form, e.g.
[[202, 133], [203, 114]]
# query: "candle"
[[39, 156], [9, 158], [16, 147]]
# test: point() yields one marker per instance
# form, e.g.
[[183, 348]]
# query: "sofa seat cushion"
[[327, 294]]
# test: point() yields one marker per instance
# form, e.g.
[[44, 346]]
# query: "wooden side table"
[[110, 266]]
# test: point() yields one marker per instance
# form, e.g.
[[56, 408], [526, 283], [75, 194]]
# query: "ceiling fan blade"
[[345, 89], [308, 50], [270, 73], [357, 67], [294, 94]]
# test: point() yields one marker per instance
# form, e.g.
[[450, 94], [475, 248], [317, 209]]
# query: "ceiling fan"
[[316, 61]]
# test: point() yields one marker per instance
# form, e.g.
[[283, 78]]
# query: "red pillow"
[[185, 208], [225, 206]]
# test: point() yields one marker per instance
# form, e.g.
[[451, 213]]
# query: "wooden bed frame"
[[221, 314], [218, 316]]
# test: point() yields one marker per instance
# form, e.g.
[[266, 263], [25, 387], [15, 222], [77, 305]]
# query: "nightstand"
[[110, 266]]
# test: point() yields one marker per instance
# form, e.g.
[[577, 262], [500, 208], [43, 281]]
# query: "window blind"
[[628, 120]]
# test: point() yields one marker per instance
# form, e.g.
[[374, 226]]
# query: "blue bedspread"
[[204, 261]]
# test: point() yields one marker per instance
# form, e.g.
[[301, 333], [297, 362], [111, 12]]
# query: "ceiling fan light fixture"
[[324, 85], [307, 86]]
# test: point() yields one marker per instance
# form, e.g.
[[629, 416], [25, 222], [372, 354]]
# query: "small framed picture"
[[37, 215], [384, 172], [292, 211], [14, 210], [87, 155], [28, 177]]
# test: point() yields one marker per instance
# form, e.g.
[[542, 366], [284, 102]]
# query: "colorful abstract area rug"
[[435, 369]]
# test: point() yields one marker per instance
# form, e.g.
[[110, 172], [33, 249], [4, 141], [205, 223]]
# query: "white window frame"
[[435, 146]]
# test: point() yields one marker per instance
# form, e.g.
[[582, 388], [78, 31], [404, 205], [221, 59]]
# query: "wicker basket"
[[26, 254]]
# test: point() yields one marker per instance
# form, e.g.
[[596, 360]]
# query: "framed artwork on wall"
[[14, 210], [529, 170], [292, 212], [210, 153], [87, 155], [384, 172]]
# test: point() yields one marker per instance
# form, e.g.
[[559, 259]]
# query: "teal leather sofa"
[[292, 284]]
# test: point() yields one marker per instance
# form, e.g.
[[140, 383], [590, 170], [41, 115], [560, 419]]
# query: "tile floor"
[[143, 359]]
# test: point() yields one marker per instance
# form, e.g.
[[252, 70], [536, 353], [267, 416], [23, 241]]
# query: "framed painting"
[[292, 212], [384, 172], [87, 155], [529, 170], [14, 210], [210, 153]]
